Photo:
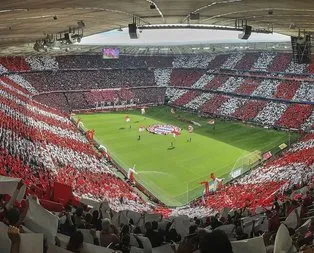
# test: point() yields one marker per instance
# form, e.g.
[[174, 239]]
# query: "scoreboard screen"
[[110, 53]]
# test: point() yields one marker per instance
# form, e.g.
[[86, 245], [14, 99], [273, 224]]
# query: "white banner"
[[40, 220], [30, 242], [255, 245], [292, 220], [181, 224], [283, 241], [120, 218], [8, 186]]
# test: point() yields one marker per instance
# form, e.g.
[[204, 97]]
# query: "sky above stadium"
[[177, 37]]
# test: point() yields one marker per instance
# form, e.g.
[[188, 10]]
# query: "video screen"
[[110, 53]]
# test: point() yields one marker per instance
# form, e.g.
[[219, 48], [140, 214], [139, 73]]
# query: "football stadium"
[[173, 167], [156, 126]]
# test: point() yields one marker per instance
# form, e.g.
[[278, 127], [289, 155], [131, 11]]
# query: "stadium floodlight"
[[199, 26], [133, 29]]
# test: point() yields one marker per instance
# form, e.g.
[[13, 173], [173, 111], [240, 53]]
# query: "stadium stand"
[[249, 110], [41, 146], [286, 90], [280, 62], [233, 60], [184, 77], [214, 103], [264, 61], [216, 82], [185, 98], [247, 87], [247, 61], [295, 116]]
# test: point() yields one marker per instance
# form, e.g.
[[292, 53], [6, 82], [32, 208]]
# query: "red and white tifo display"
[[163, 129]]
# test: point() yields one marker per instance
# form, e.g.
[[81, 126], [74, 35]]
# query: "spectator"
[[107, 238], [153, 234], [96, 220], [76, 242], [125, 239], [14, 235], [215, 242], [307, 237]]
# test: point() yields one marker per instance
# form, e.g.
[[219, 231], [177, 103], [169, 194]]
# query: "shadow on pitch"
[[171, 148], [122, 128]]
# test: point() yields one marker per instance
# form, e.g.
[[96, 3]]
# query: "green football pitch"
[[173, 174]]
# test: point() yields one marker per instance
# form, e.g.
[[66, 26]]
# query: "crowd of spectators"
[[255, 86], [193, 61], [271, 113], [309, 123], [247, 61], [196, 103], [218, 61], [3, 69], [247, 87], [49, 144], [203, 81], [40, 145], [185, 77], [41, 63], [216, 82], [268, 113], [249, 110], [102, 95], [162, 77], [305, 92], [212, 105], [186, 98], [266, 89], [232, 61], [27, 102], [173, 94], [295, 116], [55, 100], [79, 100], [21, 107], [263, 61], [287, 89], [124, 62], [231, 106], [10, 84], [153, 95], [310, 68], [296, 68], [255, 210], [179, 77], [19, 80], [89, 79], [280, 62], [232, 84], [14, 63], [258, 61]]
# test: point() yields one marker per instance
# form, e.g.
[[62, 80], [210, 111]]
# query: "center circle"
[[163, 129]]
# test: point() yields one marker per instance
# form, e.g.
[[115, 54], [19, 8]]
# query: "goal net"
[[243, 164]]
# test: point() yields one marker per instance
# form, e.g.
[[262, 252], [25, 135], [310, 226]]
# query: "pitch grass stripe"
[[210, 150]]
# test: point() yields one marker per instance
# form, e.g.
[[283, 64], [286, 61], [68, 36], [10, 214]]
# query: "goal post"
[[195, 189], [245, 163]]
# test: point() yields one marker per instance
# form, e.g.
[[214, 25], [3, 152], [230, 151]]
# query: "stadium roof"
[[24, 22]]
